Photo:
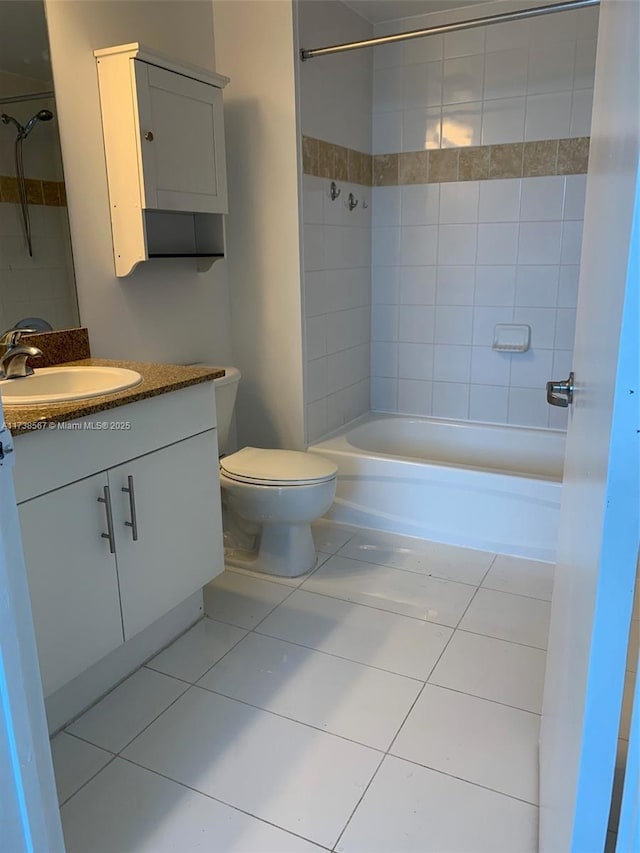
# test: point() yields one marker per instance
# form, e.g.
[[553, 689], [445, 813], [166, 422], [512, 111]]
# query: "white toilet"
[[270, 497]]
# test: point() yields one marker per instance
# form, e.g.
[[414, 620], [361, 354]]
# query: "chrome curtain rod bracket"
[[35, 96], [501, 18]]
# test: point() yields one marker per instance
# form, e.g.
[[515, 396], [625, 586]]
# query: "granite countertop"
[[156, 379]]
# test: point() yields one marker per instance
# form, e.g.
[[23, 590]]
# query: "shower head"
[[42, 115], [23, 132]]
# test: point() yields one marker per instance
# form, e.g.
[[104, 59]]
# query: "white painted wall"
[[335, 102], [166, 310], [255, 47]]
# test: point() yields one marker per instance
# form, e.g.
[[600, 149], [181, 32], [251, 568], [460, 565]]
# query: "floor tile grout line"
[[286, 598], [341, 657], [222, 802], [504, 640], [483, 699], [351, 660], [371, 607], [290, 719], [193, 683], [462, 779], [517, 594], [408, 571], [86, 781], [501, 640], [357, 805], [89, 742]]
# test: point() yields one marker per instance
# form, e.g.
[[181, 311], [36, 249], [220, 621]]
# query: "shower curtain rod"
[[502, 17], [16, 99]]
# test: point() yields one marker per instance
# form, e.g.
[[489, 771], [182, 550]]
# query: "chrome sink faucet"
[[13, 362]]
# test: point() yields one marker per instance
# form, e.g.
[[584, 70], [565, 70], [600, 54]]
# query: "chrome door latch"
[[560, 393]]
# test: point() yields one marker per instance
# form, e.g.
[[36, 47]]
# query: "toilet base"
[[284, 550]]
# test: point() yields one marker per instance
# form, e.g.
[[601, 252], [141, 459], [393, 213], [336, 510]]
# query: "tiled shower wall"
[[42, 285], [452, 255], [336, 108]]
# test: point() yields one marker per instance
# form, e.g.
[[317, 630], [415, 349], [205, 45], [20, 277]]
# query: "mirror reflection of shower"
[[23, 133]]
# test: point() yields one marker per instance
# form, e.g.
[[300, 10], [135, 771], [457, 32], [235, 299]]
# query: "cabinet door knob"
[[148, 135]]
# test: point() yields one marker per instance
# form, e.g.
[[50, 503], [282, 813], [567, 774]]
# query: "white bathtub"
[[482, 486]]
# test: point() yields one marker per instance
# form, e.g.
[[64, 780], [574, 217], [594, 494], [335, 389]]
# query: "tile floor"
[[387, 703]]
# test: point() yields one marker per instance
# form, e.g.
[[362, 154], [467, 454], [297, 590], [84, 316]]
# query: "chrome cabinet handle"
[[106, 500], [560, 393], [133, 524]]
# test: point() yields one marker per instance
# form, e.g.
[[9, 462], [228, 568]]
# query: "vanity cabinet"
[[163, 128], [118, 526], [73, 580]]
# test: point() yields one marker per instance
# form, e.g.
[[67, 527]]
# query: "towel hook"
[[334, 192], [352, 202]]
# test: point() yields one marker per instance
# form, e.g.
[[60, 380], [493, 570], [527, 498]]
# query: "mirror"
[[36, 264]]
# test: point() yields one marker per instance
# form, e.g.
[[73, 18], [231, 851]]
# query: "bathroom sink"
[[61, 384]]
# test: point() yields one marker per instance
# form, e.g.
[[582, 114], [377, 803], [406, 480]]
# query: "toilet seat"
[[256, 466]]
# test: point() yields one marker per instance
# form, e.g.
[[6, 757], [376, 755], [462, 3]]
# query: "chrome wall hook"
[[334, 192], [364, 205], [352, 203]]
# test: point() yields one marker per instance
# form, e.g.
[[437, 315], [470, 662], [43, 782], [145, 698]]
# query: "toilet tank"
[[225, 390]]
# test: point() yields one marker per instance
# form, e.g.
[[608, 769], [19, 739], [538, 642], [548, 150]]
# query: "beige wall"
[[255, 47], [166, 310]]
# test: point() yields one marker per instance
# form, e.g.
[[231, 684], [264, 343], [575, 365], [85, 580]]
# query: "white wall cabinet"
[[163, 129], [104, 565]]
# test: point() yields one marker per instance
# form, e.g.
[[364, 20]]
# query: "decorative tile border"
[[435, 166], [326, 160], [48, 193]]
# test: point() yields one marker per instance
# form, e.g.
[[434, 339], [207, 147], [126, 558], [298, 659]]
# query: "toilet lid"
[[277, 467]]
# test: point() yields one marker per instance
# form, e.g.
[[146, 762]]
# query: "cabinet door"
[[176, 500], [72, 580], [181, 141]]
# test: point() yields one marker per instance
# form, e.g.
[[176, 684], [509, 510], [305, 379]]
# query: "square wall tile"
[[455, 285], [576, 187], [548, 116], [462, 79], [418, 285], [495, 285], [497, 243], [505, 74], [488, 403], [415, 361], [459, 202], [537, 286], [500, 200], [384, 322], [416, 323], [581, 111], [384, 394], [540, 242], [421, 129], [415, 397], [489, 367], [543, 324], [387, 132], [418, 245], [457, 244], [571, 242], [386, 207], [542, 199], [384, 358], [484, 321], [461, 125], [551, 68], [453, 325], [420, 204], [385, 285], [387, 89], [451, 363], [531, 369], [450, 400], [464, 43], [422, 86], [503, 121]]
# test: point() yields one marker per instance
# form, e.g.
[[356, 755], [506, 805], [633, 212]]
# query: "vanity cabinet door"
[[181, 141], [175, 507], [72, 579]]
